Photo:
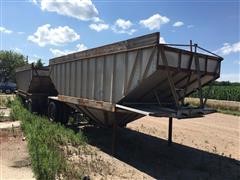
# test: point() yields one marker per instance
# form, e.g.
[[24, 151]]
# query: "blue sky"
[[45, 29]]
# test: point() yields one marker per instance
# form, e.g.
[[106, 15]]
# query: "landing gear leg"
[[170, 131], [114, 136]]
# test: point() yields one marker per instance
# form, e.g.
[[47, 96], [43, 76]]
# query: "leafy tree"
[[9, 61], [39, 63]]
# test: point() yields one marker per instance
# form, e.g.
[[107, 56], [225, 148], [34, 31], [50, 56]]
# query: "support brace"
[[170, 131], [114, 136]]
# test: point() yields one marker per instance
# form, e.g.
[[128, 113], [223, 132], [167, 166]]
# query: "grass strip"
[[225, 107], [44, 141]]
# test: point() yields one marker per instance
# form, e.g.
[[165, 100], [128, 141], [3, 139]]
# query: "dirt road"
[[14, 157], [216, 133]]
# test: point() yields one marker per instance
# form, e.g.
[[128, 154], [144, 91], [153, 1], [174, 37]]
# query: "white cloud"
[[33, 1], [178, 24], [154, 22], [36, 56], [229, 48], [20, 32], [230, 77], [190, 26], [53, 36], [121, 31], [5, 30], [81, 47], [122, 26], [162, 40], [80, 9], [99, 27], [57, 52], [18, 50], [33, 58]]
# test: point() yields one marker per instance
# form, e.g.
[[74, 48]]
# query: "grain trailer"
[[117, 83]]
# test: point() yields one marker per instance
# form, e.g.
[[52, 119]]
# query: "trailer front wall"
[[23, 79], [34, 80]]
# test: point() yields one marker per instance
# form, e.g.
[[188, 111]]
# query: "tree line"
[[9, 61]]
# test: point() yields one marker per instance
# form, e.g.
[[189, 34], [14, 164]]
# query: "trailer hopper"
[[121, 82]]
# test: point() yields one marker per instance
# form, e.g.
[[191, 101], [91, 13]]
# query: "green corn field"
[[222, 92]]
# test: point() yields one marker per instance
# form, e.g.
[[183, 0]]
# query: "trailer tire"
[[53, 111], [8, 91], [63, 113], [58, 112]]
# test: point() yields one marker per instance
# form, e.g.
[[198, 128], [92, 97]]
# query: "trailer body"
[[121, 82], [34, 86]]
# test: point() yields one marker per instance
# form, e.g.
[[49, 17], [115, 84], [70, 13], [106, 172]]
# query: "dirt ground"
[[14, 158], [216, 133], [203, 148]]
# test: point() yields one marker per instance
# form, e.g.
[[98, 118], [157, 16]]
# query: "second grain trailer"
[[34, 86]]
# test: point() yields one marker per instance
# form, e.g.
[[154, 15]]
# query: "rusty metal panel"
[[84, 78], [185, 61], [118, 83], [67, 78], [172, 57], [211, 65], [78, 78], [99, 78], [91, 75], [86, 102], [108, 78], [34, 80], [63, 78], [147, 40], [73, 78], [202, 63], [23, 79], [131, 71], [122, 73], [113, 76], [194, 84]]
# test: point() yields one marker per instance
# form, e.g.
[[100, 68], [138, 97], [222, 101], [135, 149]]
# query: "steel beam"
[[197, 65], [114, 136], [170, 131]]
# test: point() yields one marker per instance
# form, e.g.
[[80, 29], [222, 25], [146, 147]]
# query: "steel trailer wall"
[[104, 77], [31, 80], [129, 72], [23, 77]]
